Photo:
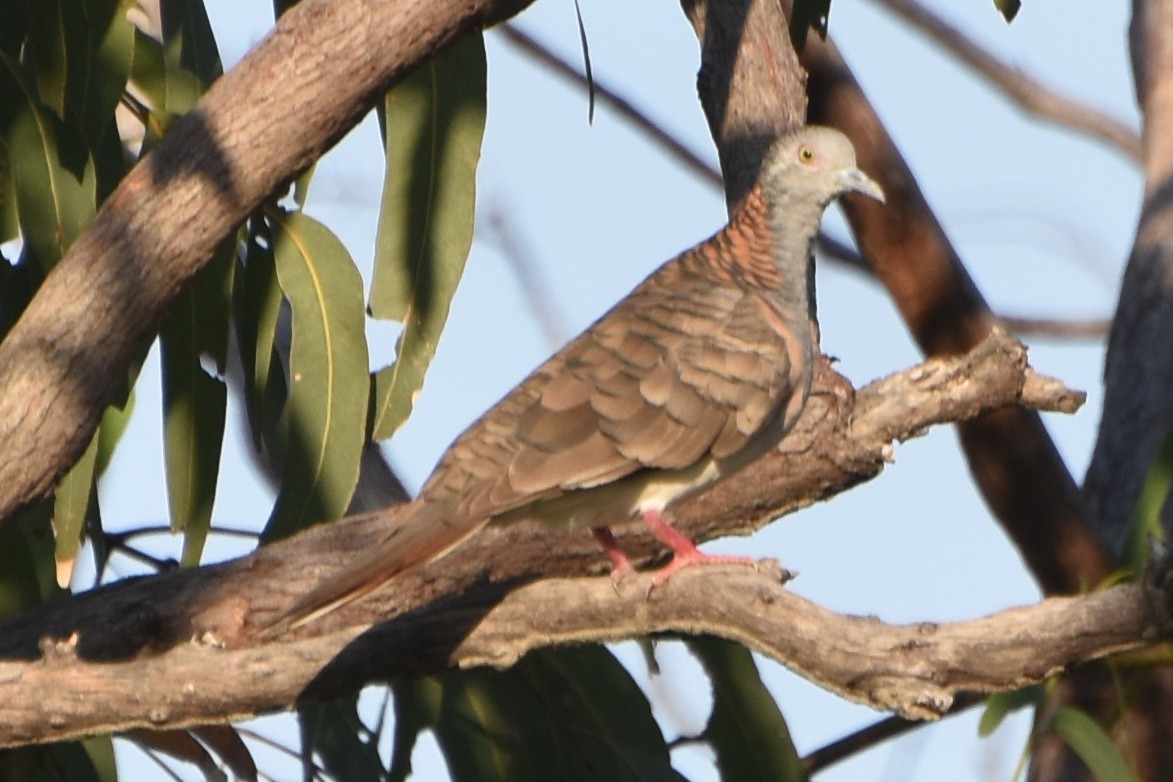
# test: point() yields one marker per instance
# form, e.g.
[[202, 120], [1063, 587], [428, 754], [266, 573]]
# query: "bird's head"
[[815, 164]]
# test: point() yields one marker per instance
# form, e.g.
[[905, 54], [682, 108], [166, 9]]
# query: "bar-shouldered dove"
[[698, 371]]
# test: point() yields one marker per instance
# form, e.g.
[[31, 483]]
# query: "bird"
[[702, 368]]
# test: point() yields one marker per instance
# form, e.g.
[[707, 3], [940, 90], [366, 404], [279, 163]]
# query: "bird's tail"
[[422, 533]]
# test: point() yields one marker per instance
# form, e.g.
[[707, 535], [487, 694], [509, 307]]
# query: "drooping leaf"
[[1008, 8], [1093, 746], [805, 16], [96, 88], [1146, 522], [49, 33], [225, 741], [1002, 704], [195, 401], [334, 733], [91, 760], [417, 708], [326, 413], [72, 501], [257, 309], [434, 123], [52, 175], [27, 574], [746, 729], [178, 744], [114, 422], [569, 714], [188, 37], [9, 223]]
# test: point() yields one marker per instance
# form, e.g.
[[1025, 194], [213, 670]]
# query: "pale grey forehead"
[[828, 141]]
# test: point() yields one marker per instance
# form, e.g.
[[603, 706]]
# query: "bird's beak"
[[854, 179]]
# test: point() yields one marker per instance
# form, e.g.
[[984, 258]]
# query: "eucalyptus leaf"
[[746, 728], [194, 401], [1093, 745], [52, 176], [334, 733], [325, 416], [434, 122], [257, 306], [72, 500], [1002, 704], [569, 714]]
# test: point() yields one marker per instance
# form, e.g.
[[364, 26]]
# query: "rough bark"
[[191, 646], [1135, 706], [67, 357], [1012, 458], [1138, 373], [750, 84]]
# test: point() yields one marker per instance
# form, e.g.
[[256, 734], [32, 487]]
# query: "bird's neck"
[[769, 245]]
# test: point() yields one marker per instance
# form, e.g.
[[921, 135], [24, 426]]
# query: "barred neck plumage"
[[767, 245]]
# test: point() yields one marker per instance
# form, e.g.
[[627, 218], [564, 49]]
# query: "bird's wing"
[[679, 369]]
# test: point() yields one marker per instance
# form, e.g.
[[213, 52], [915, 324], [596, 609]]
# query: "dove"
[[702, 368]]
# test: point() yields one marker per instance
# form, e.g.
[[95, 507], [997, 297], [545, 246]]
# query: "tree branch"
[[1012, 458], [1031, 95], [193, 635], [66, 358]]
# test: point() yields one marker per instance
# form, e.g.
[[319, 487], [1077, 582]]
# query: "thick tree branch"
[[677, 150], [1012, 458], [1137, 418], [184, 647], [66, 358]]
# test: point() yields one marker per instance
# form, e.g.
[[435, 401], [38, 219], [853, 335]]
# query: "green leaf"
[[55, 196], [91, 760], [334, 732], [1002, 704], [417, 708], [96, 89], [9, 222], [27, 572], [568, 714], [194, 401], [1094, 747], [807, 15], [435, 121], [256, 311], [49, 50], [746, 729], [114, 422], [72, 502], [326, 413], [1008, 8], [189, 40], [1146, 522]]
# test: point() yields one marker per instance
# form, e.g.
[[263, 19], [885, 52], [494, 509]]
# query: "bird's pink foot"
[[621, 567], [685, 553]]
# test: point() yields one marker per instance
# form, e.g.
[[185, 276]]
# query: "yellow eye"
[[806, 153]]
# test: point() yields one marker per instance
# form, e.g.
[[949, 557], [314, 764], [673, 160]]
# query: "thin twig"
[[1020, 325], [1071, 328], [535, 288], [834, 249], [1031, 95], [692, 161], [877, 733]]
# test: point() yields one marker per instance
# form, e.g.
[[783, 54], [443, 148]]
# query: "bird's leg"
[[621, 566], [685, 552]]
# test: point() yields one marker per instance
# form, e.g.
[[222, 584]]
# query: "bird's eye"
[[806, 153]]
